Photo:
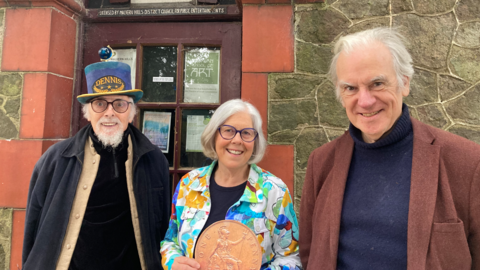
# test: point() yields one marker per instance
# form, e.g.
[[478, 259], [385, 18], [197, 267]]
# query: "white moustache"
[[112, 139], [113, 120]]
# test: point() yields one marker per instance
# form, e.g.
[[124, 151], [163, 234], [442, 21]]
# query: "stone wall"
[[11, 85], [10, 94], [444, 40], [5, 237]]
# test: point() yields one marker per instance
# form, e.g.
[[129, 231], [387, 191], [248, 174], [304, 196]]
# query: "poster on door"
[[202, 76], [156, 127], [127, 56], [195, 126]]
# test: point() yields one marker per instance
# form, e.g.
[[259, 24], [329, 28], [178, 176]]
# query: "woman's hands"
[[184, 263]]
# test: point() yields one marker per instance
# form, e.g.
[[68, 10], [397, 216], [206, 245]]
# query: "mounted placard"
[[127, 56], [202, 75], [160, 11]]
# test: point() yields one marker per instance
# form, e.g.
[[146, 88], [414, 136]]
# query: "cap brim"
[[136, 94]]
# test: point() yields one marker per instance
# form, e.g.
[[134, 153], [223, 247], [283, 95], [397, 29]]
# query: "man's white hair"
[[133, 110], [391, 38]]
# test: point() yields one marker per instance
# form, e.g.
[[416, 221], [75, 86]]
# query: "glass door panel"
[[201, 75], [159, 74], [129, 57], [159, 126], [193, 124]]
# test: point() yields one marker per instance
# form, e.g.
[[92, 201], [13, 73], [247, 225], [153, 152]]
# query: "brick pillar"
[[36, 86], [268, 47]]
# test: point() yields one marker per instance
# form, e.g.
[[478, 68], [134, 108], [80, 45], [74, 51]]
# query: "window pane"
[[159, 127], [193, 124], [159, 74], [202, 75], [129, 57]]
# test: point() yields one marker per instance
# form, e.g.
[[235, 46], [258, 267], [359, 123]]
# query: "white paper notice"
[[127, 56], [195, 126], [162, 79], [159, 1], [202, 76], [156, 127]]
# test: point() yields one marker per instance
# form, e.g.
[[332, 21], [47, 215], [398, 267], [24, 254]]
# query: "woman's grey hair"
[[133, 110], [391, 38], [221, 115]]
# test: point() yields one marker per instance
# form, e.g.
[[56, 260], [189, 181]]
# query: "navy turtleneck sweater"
[[373, 228]]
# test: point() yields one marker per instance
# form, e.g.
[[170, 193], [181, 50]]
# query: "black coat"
[[52, 190]]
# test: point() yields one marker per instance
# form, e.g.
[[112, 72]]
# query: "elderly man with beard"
[[392, 192], [99, 200]]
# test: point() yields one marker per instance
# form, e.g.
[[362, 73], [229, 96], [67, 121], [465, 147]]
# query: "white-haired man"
[[392, 192], [99, 200]]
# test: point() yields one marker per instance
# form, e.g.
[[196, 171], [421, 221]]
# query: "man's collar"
[[400, 129], [100, 147], [77, 143]]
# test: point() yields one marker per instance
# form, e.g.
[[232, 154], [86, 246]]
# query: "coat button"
[[68, 246], [77, 216], [94, 161], [84, 187]]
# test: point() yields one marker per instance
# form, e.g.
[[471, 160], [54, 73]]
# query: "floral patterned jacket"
[[265, 207]]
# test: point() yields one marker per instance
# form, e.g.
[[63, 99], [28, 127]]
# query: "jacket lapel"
[[423, 193], [198, 195], [343, 157], [253, 192], [77, 145]]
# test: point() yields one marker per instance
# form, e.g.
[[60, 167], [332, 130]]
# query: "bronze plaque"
[[228, 245]]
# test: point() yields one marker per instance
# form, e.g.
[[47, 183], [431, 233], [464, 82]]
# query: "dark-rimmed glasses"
[[100, 105], [228, 133]]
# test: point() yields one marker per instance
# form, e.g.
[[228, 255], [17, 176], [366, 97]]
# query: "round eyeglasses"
[[228, 133], [118, 105]]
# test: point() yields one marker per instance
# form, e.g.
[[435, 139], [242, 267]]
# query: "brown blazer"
[[444, 208]]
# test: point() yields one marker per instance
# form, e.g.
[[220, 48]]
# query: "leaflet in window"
[[195, 126], [129, 57], [156, 127], [202, 76]]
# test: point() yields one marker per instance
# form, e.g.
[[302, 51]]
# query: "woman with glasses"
[[233, 188]]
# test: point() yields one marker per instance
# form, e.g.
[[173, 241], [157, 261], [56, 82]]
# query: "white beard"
[[109, 139]]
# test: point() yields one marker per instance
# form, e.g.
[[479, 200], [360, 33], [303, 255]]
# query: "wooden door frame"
[[227, 35]]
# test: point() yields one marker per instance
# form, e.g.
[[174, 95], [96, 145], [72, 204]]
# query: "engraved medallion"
[[228, 245]]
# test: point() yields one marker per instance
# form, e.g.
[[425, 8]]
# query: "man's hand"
[[184, 263]]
